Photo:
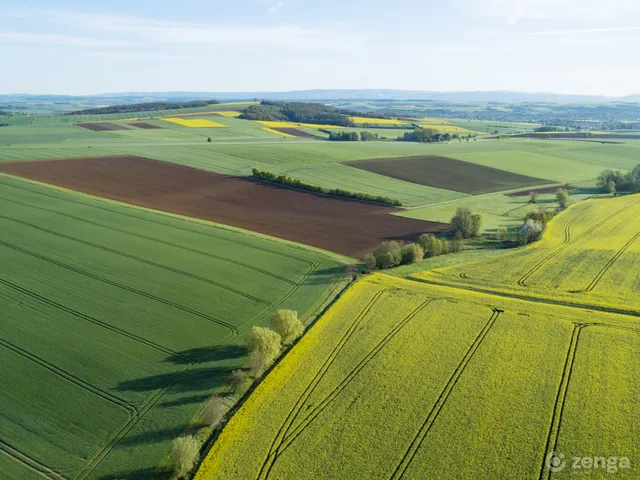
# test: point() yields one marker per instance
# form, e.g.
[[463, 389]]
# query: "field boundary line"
[[151, 239], [324, 403], [609, 264], [90, 319], [150, 296], [174, 216], [268, 462], [29, 462], [130, 408], [141, 260], [416, 443]]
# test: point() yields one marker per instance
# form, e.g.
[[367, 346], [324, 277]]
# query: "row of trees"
[[353, 137], [536, 222], [338, 192], [145, 107], [612, 181], [265, 345], [392, 253], [300, 112], [431, 135]]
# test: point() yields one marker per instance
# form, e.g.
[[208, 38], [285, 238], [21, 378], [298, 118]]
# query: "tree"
[[265, 346], [465, 223], [431, 245], [502, 234], [388, 254], [609, 187], [184, 455], [287, 324], [412, 253], [216, 409], [562, 197], [533, 197], [369, 262], [209, 139], [530, 232], [240, 381]]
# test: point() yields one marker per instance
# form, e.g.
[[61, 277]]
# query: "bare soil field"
[[344, 226], [101, 126], [296, 133], [145, 126], [448, 174]]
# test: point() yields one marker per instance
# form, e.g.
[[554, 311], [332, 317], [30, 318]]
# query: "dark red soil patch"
[[344, 226], [101, 126], [145, 126], [525, 193], [448, 174], [296, 133]]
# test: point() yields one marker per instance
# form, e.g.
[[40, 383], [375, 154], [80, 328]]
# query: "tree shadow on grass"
[[185, 401], [144, 474], [196, 380], [208, 354], [166, 434]]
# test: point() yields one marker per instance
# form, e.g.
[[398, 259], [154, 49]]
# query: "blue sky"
[[81, 47]]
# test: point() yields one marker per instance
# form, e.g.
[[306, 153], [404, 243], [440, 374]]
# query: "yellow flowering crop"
[[276, 124], [376, 121], [196, 123], [271, 130]]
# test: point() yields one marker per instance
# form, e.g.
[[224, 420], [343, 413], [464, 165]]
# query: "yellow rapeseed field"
[[195, 123], [315, 125], [282, 134], [376, 121], [275, 124], [229, 113]]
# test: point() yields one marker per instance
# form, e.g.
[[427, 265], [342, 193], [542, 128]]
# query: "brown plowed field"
[[145, 126], [448, 173], [344, 226], [296, 133], [101, 126]]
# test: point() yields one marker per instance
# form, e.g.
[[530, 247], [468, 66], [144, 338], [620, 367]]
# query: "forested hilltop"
[[144, 107]]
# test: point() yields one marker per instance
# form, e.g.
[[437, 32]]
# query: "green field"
[[406, 380], [119, 322]]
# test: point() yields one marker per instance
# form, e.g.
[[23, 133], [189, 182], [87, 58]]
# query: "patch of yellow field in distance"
[[269, 124], [196, 123], [376, 121], [229, 113], [315, 125], [282, 134]]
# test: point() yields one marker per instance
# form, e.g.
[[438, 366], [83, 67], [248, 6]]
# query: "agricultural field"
[[376, 121], [407, 380], [347, 227], [131, 318], [194, 123], [588, 256]]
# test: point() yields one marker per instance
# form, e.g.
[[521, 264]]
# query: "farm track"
[[269, 461], [609, 264], [141, 219], [131, 409], [156, 240], [325, 402], [568, 242], [416, 443], [30, 463], [150, 296], [141, 260], [90, 319]]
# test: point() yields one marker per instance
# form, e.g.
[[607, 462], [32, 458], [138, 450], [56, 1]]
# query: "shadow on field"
[[144, 474], [166, 434], [197, 380], [185, 401], [337, 270], [208, 354]]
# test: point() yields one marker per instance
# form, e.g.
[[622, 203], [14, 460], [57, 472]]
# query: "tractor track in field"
[[135, 291], [90, 319], [416, 442], [609, 264], [268, 462], [29, 462], [149, 211], [155, 240], [141, 260], [130, 408], [325, 402], [568, 242]]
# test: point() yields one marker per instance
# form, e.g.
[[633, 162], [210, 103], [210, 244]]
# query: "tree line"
[[612, 181], [337, 192], [431, 135], [352, 136], [145, 107]]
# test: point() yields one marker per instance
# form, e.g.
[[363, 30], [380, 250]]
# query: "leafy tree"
[[209, 139], [388, 254], [431, 245], [530, 232], [287, 324], [502, 234], [533, 197], [541, 216], [265, 346], [609, 187], [412, 253], [184, 455], [216, 409], [465, 224], [562, 197], [370, 262], [240, 381]]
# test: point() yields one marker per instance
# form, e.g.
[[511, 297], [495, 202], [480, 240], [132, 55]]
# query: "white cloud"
[[276, 7], [56, 39]]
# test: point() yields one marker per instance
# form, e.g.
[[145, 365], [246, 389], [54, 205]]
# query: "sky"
[[79, 47]]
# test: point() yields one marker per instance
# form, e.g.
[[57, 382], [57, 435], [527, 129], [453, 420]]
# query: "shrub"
[[502, 234], [184, 455], [265, 346], [388, 254], [455, 245], [465, 223], [387, 260], [216, 409], [530, 232], [609, 187], [431, 245], [533, 197], [287, 324], [540, 216], [412, 253], [369, 262], [240, 381], [562, 197]]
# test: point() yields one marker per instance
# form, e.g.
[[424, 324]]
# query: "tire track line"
[[556, 418], [90, 319], [150, 296], [311, 416], [138, 259], [152, 239], [29, 462], [295, 410], [523, 280], [416, 443], [131, 409], [609, 264]]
